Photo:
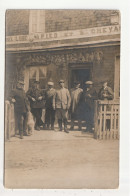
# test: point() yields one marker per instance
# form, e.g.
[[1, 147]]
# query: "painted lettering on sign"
[[90, 32]]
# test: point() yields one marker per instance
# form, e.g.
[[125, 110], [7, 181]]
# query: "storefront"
[[68, 58], [91, 53]]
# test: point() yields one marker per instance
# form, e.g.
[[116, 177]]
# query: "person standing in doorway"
[[75, 93], [21, 107], [37, 102], [61, 103], [49, 112]]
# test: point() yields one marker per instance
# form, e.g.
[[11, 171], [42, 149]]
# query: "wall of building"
[[17, 21], [59, 20]]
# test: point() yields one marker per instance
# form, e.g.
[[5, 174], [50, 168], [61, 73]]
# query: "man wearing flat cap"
[[89, 95], [61, 103], [50, 112], [75, 93], [21, 107], [36, 97]]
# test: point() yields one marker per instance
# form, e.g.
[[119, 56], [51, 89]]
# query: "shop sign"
[[62, 35]]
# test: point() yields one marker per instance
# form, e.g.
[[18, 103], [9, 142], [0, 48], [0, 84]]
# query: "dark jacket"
[[89, 100], [106, 93], [49, 94], [36, 93], [86, 106], [21, 105]]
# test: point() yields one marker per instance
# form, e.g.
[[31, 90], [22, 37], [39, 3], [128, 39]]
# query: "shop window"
[[35, 73], [37, 21]]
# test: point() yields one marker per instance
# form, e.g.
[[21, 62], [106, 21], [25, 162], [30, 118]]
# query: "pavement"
[[57, 160]]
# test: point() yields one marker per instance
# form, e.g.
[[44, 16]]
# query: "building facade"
[[63, 44]]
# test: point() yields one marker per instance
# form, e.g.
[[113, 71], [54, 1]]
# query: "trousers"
[[50, 116], [21, 122], [61, 113], [89, 118], [37, 113]]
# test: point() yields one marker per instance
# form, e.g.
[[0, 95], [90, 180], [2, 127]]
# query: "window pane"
[[42, 72], [32, 73]]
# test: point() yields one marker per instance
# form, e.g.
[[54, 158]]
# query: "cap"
[[21, 82], [89, 82], [50, 83], [61, 81]]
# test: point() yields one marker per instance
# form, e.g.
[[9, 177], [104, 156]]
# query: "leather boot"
[[65, 126], [60, 124], [21, 134], [52, 126]]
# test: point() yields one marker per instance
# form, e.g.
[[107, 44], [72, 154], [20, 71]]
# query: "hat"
[[21, 82], [61, 81], [36, 81], [89, 82], [50, 83], [76, 82]]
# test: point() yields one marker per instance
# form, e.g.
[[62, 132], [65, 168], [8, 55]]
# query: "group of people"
[[78, 102]]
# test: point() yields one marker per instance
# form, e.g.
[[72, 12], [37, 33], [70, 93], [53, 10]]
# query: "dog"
[[30, 123]]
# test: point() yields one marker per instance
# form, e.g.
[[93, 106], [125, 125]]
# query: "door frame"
[[78, 66]]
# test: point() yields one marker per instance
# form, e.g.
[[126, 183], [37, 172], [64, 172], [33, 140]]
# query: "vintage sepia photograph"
[[62, 99]]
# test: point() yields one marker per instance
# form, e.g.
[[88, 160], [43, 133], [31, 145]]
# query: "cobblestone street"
[[51, 159]]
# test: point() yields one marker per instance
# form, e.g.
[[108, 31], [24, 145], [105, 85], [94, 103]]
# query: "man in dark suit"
[[36, 97], [21, 107], [50, 112], [89, 95], [106, 92], [61, 103]]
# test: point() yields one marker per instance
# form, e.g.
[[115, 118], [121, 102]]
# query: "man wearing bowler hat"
[[21, 107], [89, 95], [61, 103], [37, 102], [50, 112]]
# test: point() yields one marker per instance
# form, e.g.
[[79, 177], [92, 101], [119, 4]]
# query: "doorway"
[[81, 75]]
